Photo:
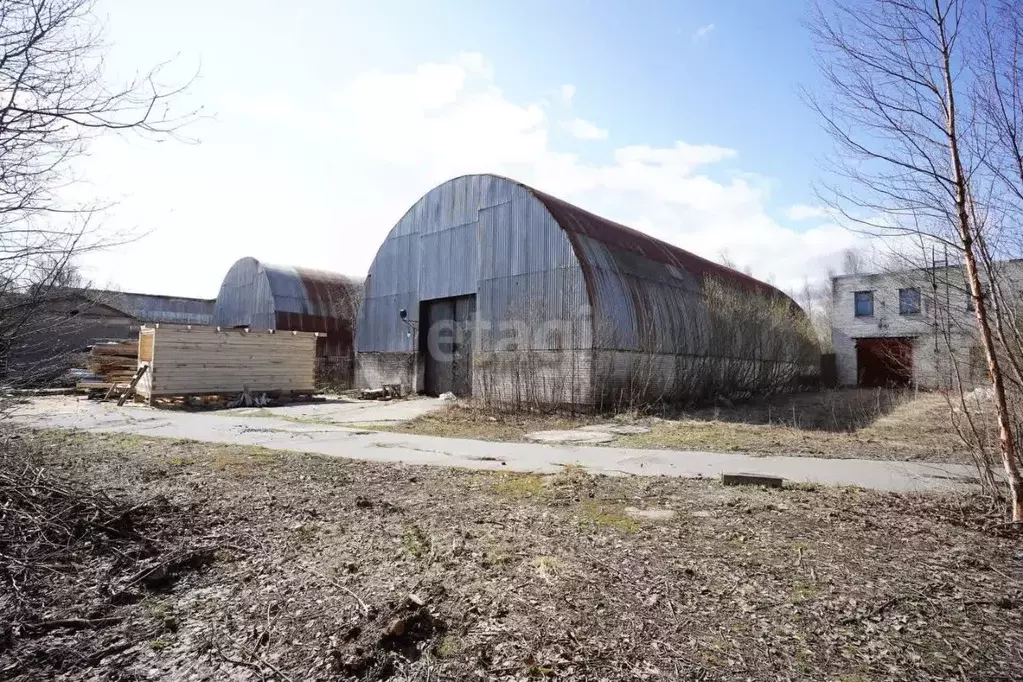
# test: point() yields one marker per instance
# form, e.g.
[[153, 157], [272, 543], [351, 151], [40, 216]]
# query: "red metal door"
[[884, 362]]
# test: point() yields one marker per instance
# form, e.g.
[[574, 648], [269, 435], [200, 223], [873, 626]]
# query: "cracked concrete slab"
[[340, 410], [575, 436], [617, 429]]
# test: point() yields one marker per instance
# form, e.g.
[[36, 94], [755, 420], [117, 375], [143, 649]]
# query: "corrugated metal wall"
[[476, 234], [245, 298], [152, 308]]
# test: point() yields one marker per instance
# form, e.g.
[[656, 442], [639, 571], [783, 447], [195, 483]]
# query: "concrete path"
[[345, 411], [339, 441]]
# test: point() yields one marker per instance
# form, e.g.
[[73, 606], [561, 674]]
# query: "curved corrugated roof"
[[287, 297], [310, 300], [580, 221]]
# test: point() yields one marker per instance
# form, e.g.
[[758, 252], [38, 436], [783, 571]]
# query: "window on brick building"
[[864, 303], [909, 301]]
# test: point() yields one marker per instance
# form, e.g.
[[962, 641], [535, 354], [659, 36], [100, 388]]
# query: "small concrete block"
[[752, 479]]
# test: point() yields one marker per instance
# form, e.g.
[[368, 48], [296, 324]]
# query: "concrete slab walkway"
[[340, 441]]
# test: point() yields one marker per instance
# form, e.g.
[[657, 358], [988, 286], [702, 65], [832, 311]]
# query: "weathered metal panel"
[[540, 310], [462, 355], [643, 305], [458, 246], [396, 267], [151, 308], [439, 317], [618, 237], [465, 233], [500, 254], [265, 296], [380, 328], [245, 298]]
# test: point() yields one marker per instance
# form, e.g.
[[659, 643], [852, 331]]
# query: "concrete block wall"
[[373, 370]]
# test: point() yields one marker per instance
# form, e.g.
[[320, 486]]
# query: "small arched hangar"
[[260, 295]]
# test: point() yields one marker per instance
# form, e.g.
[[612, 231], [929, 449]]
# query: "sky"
[[321, 122]]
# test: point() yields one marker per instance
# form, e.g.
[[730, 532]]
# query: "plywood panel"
[[145, 346]]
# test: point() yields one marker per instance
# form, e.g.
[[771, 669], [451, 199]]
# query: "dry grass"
[[333, 569], [852, 423], [473, 421]]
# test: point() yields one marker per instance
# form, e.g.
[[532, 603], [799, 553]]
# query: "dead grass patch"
[[418, 572], [608, 516], [519, 486], [847, 423], [472, 421]]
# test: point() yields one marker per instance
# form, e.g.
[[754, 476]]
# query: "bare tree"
[[852, 262], [54, 100], [906, 163]]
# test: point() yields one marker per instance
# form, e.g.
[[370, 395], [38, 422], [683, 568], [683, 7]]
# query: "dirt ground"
[[125, 558], [848, 423]]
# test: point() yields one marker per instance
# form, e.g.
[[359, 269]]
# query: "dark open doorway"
[[446, 343], [884, 362]]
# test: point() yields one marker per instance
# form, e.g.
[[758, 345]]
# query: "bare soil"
[[847, 423], [125, 558]]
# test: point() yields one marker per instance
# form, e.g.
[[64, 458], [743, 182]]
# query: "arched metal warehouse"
[[264, 296], [490, 288]]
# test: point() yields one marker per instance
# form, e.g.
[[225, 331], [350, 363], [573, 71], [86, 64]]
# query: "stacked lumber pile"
[[195, 361], [113, 363]]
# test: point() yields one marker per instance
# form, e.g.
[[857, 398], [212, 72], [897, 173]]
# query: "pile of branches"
[[72, 559]]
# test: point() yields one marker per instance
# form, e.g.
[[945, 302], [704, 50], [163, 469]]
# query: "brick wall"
[[945, 307]]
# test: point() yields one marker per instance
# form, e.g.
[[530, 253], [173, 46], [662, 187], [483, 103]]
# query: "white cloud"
[[334, 172], [805, 212], [682, 193], [683, 157], [584, 130], [702, 34], [566, 92]]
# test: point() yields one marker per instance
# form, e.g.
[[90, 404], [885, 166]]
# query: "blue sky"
[[323, 123]]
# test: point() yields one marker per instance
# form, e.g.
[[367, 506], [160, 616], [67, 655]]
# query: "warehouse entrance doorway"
[[446, 343], [884, 362]]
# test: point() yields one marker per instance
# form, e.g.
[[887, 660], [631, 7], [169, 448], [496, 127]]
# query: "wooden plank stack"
[[112, 363], [193, 361]]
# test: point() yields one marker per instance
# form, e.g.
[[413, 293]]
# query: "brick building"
[[906, 328]]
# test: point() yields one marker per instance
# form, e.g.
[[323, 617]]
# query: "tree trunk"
[[1006, 442]]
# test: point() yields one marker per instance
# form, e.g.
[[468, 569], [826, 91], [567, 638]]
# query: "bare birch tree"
[[899, 109], [54, 100]]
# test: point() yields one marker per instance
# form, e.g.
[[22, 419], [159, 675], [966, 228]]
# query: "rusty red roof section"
[[580, 221], [329, 304]]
